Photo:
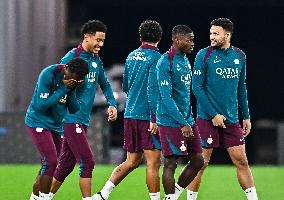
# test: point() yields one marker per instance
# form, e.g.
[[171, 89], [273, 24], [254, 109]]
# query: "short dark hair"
[[150, 31], [225, 23], [181, 30], [78, 66], [93, 26]]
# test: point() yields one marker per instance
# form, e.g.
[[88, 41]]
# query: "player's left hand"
[[112, 113], [246, 127], [153, 128]]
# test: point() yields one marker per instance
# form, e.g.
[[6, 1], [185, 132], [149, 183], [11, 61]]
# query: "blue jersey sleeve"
[[153, 90], [242, 93], [198, 82], [106, 87], [45, 97], [72, 102], [165, 87]]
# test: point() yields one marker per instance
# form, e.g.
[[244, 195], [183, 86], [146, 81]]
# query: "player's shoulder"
[[48, 72], [202, 52], [68, 56], [164, 59], [239, 51]]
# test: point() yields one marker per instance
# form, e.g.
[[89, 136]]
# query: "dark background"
[[258, 32]]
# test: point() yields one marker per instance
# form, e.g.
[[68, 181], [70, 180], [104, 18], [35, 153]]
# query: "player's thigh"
[[76, 136], [238, 154]]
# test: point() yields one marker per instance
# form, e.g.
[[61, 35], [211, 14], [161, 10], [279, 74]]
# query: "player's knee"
[[133, 164], [86, 168], [90, 164], [156, 164], [199, 163], [49, 167], [170, 164], [241, 163]]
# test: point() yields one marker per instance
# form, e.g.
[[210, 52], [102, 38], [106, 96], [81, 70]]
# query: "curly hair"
[[225, 23], [78, 66], [93, 26], [150, 31]]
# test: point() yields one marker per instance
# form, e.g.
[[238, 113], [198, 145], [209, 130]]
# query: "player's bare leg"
[[193, 187], [85, 186], [132, 161], [153, 158], [190, 171], [152, 171], [55, 185], [170, 165], [244, 175]]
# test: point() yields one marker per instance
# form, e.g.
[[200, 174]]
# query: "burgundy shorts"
[[138, 138], [49, 145], [76, 148], [216, 137], [175, 144]]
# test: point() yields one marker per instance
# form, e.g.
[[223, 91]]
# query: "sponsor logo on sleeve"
[[44, 95], [197, 72], [164, 82]]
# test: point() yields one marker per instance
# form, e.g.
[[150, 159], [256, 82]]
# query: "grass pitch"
[[219, 183]]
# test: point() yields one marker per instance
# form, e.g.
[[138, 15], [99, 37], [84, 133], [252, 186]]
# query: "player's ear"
[[86, 36]]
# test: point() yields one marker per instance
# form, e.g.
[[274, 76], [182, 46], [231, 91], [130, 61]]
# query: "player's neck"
[[84, 46], [154, 44], [227, 45]]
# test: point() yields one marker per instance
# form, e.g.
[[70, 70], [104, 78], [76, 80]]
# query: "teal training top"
[[139, 83], [50, 101], [174, 80], [86, 92], [219, 83]]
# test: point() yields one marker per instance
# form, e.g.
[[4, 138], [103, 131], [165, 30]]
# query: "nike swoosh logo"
[[216, 61]]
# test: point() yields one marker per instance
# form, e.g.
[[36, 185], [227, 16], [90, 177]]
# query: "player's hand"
[[219, 120], [72, 83], [246, 126], [112, 113], [153, 128], [187, 131]]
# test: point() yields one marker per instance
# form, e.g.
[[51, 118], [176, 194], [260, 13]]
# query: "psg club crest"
[[94, 64], [78, 129], [39, 130], [236, 61], [209, 140], [182, 147]]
